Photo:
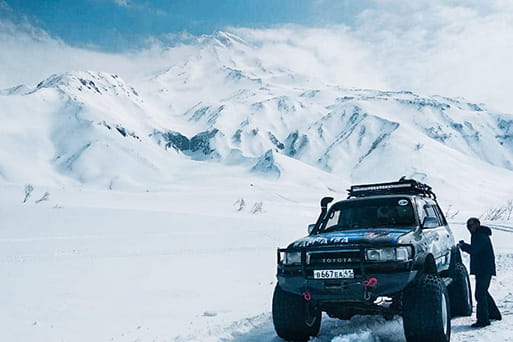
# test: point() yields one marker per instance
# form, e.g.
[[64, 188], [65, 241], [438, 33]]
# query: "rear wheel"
[[294, 318], [460, 292], [426, 310]]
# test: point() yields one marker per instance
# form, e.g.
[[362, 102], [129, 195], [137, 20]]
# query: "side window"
[[440, 215], [420, 208], [430, 211], [333, 218]]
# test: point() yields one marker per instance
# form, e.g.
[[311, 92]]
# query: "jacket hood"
[[484, 230]]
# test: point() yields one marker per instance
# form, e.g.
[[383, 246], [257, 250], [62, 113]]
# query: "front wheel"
[[294, 318], [460, 292], [426, 310]]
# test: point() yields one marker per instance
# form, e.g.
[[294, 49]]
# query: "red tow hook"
[[307, 296], [371, 282]]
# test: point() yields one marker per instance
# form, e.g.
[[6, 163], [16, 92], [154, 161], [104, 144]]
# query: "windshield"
[[371, 213]]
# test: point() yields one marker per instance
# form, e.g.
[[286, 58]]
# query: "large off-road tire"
[[294, 318], [426, 310], [460, 293]]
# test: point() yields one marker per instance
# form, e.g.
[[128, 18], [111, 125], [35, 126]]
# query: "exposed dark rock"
[[237, 137], [437, 133], [284, 104], [198, 146], [209, 113], [421, 103], [345, 98], [389, 129], [475, 107], [505, 124], [294, 143], [310, 93], [177, 141], [201, 142], [275, 141], [266, 165], [106, 124], [121, 130], [257, 106]]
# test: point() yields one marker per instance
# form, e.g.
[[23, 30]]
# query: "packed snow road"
[[108, 266], [376, 328]]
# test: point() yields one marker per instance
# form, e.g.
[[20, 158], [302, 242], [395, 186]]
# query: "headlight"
[[389, 254], [292, 258], [403, 253]]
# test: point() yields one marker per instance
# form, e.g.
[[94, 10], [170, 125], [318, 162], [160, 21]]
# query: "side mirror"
[[311, 228], [430, 222]]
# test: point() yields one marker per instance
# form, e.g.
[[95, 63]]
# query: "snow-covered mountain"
[[232, 151], [220, 103]]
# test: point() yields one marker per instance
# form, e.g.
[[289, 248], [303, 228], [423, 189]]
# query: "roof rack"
[[403, 186]]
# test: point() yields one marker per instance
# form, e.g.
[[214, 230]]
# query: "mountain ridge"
[[223, 105]]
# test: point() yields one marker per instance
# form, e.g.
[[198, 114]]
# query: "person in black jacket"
[[482, 265]]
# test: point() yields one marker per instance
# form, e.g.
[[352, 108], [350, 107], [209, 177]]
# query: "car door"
[[438, 237], [446, 238]]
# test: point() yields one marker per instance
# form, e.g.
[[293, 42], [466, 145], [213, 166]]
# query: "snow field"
[[179, 265], [96, 271]]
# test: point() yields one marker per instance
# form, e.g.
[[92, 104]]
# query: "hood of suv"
[[357, 236]]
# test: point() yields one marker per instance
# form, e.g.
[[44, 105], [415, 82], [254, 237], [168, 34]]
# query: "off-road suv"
[[385, 250]]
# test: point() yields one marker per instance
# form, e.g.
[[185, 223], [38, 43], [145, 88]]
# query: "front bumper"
[[392, 277], [350, 290]]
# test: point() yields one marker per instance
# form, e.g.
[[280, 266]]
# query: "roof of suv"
[[385, 196], [402, 187]]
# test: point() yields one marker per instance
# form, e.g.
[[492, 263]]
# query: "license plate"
[[333, 274]]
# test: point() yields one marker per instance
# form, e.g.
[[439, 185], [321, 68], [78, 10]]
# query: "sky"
[[454, 48], [117, 25]]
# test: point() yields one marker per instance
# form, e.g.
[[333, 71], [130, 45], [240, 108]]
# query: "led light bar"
[[379, 187], [403, 186]]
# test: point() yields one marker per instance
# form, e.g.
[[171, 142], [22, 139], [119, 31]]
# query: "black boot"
[[497, 317], [480, 324]]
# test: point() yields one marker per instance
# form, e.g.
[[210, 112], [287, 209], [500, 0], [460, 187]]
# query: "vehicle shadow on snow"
[[359, 328]]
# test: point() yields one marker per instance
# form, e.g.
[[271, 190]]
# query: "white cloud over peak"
[[330, 54], [450, 48]]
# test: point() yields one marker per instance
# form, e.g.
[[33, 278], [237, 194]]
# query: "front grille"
[[326, 258]]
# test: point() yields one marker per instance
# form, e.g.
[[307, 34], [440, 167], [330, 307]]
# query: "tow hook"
[[371, 282], [307, 296], [368, 285]]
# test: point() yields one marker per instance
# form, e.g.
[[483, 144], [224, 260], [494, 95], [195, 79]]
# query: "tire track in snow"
[[260, 329], [376, 328]]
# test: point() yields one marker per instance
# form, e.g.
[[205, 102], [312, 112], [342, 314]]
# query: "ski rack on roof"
[[403, 186]]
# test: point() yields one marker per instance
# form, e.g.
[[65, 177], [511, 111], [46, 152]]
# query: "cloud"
[[330, 55], [29, 55], [123, 3], [144, 7], [450, 48], [4, 5]]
